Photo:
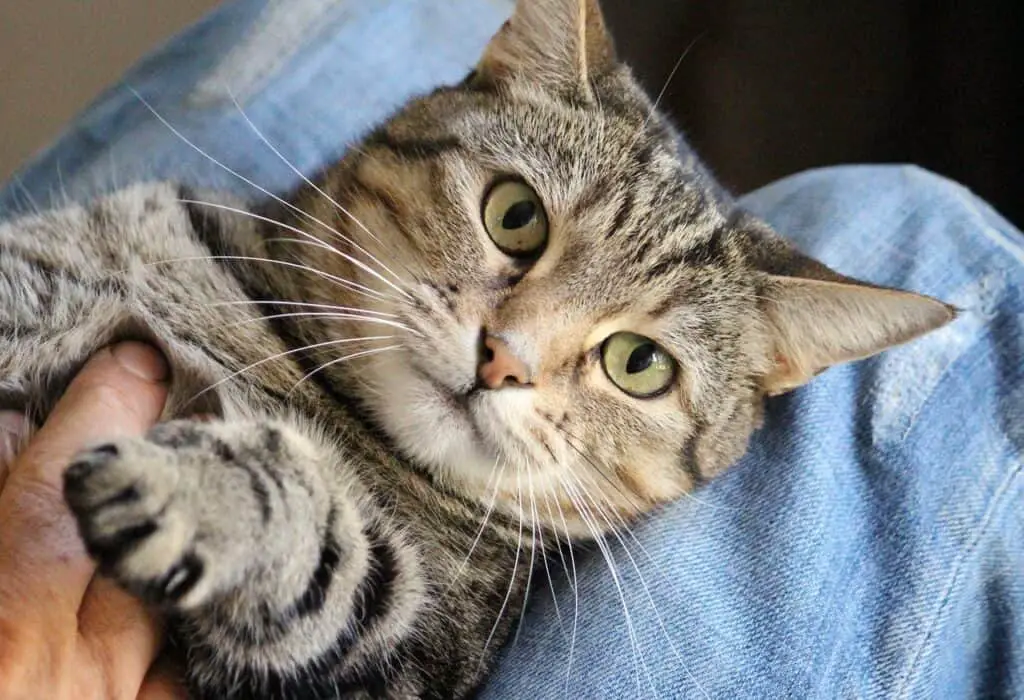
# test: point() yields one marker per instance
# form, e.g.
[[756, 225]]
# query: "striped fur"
[[366, 526]]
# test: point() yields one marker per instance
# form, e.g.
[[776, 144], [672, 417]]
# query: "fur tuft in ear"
[[557, 44], [819, 323]]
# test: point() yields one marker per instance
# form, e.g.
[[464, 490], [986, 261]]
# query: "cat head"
[[581, 323]]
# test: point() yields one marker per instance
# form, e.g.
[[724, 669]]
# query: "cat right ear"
[[556, 44], [818, 318], [815, 324]]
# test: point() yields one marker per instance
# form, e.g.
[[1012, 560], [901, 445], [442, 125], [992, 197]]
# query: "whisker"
[[274, 302], [487, 515], [277, 356], [327, 314], [316, 187], [533, 552], [554, 531], [661, 93], [544, 555], [241, 177], [602, 545], [341, 281], [603, 513], [358, 263], [511, 584], [685, 494], [575, 594], [346, 358], [569, 440]]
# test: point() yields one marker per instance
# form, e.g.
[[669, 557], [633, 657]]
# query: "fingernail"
[[12, 426], [141, 360]]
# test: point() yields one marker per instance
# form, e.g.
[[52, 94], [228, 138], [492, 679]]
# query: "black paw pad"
[[181, 579], [122, 497], [109, 449], [109, 551]]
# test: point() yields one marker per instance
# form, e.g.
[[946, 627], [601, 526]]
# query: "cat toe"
[[134, 520]]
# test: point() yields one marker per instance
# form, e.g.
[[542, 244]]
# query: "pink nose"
[[499, 367]]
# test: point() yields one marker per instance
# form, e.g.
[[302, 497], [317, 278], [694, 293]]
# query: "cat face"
[[587, 327]]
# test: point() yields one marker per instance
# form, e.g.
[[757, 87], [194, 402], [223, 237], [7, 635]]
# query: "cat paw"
[[137, 518]]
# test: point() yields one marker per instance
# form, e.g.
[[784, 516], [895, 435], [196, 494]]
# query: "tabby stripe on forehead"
[[413, 149], [665, 264], [591, 197], [621, 216], [705, 252], [709, 250]]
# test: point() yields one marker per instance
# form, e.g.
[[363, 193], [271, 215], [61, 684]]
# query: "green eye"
[[637, 365], [515, 220]]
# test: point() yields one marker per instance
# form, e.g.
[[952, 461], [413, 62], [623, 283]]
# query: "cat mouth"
[[454, 401], [464, 406]]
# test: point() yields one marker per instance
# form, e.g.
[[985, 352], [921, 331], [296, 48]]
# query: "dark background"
[[771, 87]]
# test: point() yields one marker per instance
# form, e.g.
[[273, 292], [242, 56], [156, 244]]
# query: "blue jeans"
[[871, 544]]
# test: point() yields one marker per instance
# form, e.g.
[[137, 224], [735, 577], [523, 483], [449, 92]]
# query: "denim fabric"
[[870, 545]]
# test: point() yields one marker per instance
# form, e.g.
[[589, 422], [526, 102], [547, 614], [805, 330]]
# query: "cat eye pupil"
[[641, 358], [519, 214]]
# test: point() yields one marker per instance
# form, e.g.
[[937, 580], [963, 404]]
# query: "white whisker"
[[316, 187], [533, 549], [339, 360], [487, 515], [341, 281], [603, 511], [571, 440], [243, 178], [544, 555], [274, 302], [277, 356], [328, 314], [575, 593], [585, 514], [358, 263], [511, 585]]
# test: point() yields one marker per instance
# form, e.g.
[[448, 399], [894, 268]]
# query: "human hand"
[[66, 633]]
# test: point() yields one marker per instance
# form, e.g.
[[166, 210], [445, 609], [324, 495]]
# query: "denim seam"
[[913, 670]]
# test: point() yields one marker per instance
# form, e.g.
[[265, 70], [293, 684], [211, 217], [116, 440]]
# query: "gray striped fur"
[[314, 539]]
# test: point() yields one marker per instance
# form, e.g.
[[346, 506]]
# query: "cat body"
[[369, 538], [518, 314]]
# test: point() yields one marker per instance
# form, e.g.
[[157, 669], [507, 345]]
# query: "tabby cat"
[[519, 312]]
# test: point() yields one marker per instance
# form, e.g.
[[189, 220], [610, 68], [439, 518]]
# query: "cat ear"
[[818, 323], [553, 43]]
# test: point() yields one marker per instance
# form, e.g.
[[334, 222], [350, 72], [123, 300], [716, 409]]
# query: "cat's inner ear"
[[816, 324], [557, 44]]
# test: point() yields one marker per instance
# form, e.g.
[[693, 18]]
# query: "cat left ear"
[[557, 44], [819, 323]]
